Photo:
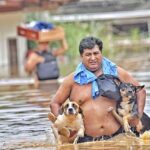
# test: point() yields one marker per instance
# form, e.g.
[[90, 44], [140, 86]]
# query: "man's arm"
[[32, 61], [62, 94], [141, 95], [62, 49]]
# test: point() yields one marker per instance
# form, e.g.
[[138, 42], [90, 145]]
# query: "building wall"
[[8, 29]]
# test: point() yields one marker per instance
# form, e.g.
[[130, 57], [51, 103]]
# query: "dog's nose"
[[130, 91], [70, 110]]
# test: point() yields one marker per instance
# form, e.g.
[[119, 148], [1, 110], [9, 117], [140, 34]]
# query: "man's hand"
[[136, 122]]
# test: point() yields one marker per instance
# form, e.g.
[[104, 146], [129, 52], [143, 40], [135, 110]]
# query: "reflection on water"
[[24, 123]]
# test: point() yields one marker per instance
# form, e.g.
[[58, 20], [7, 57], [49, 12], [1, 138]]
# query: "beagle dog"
[[69, 120]]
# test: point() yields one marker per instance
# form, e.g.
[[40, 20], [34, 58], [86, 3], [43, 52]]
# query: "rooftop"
[[22, 5], [93, 6]]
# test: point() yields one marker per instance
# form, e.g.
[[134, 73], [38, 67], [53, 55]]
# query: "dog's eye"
[[123, 89], [67, 105], [74, 105]]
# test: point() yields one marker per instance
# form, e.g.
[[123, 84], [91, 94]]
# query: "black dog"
[[127, 107]]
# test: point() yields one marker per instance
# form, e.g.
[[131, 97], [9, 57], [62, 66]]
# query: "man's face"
[[92, 58], [43, 45]]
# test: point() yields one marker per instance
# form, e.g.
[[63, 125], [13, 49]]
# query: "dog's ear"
[[61, 110], [67, 101], [138, 88], [81, 112], [117, 81]]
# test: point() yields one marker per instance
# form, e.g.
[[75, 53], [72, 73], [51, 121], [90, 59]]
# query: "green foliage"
[[31, 44], [74, 33], [78, 30], [135, 34]]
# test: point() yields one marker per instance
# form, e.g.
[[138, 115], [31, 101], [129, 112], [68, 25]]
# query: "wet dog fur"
[[127, 107], [69, 119]]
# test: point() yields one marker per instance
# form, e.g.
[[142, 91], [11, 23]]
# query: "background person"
[[81, 86], [42, 62]]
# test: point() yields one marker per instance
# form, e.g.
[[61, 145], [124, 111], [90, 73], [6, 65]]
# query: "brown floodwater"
[[24, 124]]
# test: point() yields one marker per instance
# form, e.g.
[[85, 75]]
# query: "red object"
[[47, 35]]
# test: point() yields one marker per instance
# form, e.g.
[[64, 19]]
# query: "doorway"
[[13, 57]]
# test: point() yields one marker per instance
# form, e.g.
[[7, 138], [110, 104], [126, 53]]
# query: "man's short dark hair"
[[89, 43]]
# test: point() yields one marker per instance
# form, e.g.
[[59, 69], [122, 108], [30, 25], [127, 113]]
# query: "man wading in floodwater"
[[42, 62], [82, 86]]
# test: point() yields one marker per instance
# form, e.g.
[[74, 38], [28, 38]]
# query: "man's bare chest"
[[81, 93]]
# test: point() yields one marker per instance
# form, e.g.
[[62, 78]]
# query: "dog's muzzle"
[[71, 111]]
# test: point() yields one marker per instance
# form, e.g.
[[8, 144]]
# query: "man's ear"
[[138, 88]]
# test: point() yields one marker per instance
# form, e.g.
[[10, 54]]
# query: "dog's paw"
[[80, 133], [65, 132], [51, 117], [110, 109], [127, 128], [130, 133], [76, 140]]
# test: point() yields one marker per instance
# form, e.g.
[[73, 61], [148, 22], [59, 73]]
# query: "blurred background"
[[123, 26]]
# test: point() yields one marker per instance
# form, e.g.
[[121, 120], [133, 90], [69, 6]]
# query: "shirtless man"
[[99, 123]]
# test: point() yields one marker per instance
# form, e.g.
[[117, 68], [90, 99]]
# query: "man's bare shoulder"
[[69, 79], [126, 76], [65, 87], [123, 73], [33, 56]]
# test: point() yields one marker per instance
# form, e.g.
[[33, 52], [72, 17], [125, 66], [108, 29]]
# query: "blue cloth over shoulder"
[[83, 76]]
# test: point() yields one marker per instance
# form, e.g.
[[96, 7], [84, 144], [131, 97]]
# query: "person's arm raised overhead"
[[62, 49]]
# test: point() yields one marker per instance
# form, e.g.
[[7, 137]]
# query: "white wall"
[[22, 48], [8, 29]]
